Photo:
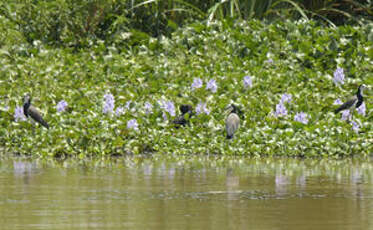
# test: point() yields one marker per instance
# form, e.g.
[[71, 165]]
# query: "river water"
[[186, 193]]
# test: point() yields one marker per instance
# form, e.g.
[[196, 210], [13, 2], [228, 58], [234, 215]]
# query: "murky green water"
[[189, 193]]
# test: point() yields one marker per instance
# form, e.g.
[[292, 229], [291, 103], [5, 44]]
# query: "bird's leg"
[[351, 115], [349, 118]]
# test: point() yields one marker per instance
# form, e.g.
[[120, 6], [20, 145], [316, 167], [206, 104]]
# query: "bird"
[[356, 100], [182, 120], [232, 121], [31, 111]]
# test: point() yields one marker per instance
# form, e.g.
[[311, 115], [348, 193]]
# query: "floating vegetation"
[[286, 77]]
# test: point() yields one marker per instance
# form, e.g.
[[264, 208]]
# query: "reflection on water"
[[190, 193]]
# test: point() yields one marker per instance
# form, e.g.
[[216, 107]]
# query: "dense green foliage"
[[296, 58], [71, 23]]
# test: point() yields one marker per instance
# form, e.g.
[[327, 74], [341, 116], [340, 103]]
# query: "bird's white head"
[[27, 98], [362, 87]]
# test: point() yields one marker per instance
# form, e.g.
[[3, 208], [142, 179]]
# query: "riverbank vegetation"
[[116, 91]]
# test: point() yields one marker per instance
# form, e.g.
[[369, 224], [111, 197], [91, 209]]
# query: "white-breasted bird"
[[355, 101], [31, 111], [232, 122]]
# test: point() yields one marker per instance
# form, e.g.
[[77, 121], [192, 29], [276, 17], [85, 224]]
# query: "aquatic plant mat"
[[120, 98]]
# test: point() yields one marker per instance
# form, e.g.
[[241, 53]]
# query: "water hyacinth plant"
[[355, 126], [158, 70], [211, 85], [61, 106], [281, 110], [202, 108], [197, 83], [337, 102], [168, 106], [108, 103], [128, 104], [339, 76], [19, 115], [247, 82], [119, 111], [148, 108], [132, 124], [286, 98], [301, 117], [346, 115], [362, 109]]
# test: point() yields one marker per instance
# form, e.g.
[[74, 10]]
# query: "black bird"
[[233, 121], [356, 100], [31, 111], [183, 119]]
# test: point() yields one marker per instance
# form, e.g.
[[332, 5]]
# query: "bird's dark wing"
[[346, 105], [180, 120], [34, 114]]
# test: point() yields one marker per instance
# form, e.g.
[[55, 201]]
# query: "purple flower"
[[197, 83], [281, 110], [119, 111], [339, 76], [346, 114], [148, 108], [201, 108], [132, 124], [286, 98], [269, 61], [61, 106], [211, 85], [355, 126], [19, 115], [128, 104], [338, 102], [247, 81], [168, 106], [108, 103], [164, 115], [361, 109], [301, 117]]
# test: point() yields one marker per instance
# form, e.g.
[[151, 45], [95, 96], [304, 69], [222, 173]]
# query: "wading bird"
[[356, 101], [186, 113], [31, 111], [233, 121]]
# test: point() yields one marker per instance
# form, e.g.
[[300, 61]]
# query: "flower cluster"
[[197, 83], [148, 107], [119, 111], [108, 103], [128, 104], [301, 117], [286, 98], [61, 106], [338, 102], [355, 126], [168, 106], [280, 107], [346, 115], [339, 76], [19, 115], [247, 81], [362, 109], [201, 108], [281, 110], [211, 85], [132, 124]]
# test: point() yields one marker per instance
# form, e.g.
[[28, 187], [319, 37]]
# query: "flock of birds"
[[232, 121]]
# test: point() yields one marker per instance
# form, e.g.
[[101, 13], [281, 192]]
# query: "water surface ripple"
[[186, 193]]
